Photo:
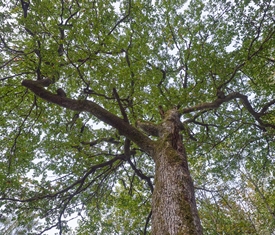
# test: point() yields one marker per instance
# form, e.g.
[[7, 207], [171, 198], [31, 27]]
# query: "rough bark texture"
[[174, 210]]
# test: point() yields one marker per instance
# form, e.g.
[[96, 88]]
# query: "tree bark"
[[174, 210]]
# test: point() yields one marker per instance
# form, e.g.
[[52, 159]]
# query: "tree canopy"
[[72, 70]]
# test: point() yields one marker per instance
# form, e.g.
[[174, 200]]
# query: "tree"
[[11, 225], [106, 103]]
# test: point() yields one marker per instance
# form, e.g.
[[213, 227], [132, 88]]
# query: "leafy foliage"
[[214, 60]]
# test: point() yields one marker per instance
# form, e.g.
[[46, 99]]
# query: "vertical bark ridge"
[[174, 210]]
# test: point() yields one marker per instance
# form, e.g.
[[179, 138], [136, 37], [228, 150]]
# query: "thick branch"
[[210, 105], [235, 95], [149, 128], [102, 114]]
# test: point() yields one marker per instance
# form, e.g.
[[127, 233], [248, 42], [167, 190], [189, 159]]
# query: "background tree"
[[144, 85]]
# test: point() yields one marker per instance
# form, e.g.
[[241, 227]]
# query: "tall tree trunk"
[[174, 210]]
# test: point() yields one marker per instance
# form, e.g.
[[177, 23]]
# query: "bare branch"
[[122, 110], [122, 19], [141, 175], [95, 142], [147, 222]]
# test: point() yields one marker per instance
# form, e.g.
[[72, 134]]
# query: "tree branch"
[[141, 175], [149, 128], [209, 105], [234, 95], [266, 106], [78, 183], [102, 114], [122, 110]]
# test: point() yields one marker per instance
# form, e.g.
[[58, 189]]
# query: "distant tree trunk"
[[174, 210]]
